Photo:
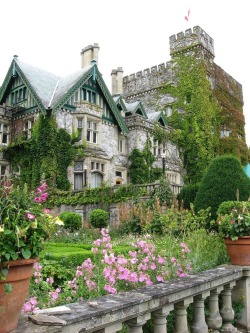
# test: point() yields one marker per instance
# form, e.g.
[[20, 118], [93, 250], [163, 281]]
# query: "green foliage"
[[47, 153], [224, 180], [102, 195], [162, 192], [179, 222], [141, 169], [72, 221], [160, 134], [24, 222], [138, 168], [187, 195], [99, 218], [207, 249], [235, 223], [196, 128], [226, 207]]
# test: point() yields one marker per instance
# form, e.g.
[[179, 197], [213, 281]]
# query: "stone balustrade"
[[213, 289]]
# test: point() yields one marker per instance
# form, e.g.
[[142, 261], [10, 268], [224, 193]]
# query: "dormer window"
[[89, 95]]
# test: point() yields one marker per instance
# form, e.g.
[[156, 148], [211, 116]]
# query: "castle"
[[114, 123]]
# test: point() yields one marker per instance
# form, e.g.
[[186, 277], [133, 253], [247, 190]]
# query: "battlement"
[[148, 78], [190, 38]]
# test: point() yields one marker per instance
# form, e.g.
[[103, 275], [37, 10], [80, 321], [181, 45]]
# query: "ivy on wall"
[[141, 168], [195, 116], [46, 154]]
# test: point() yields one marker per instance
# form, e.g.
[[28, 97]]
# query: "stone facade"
[[110, 126], [113, 124], [143, 86]]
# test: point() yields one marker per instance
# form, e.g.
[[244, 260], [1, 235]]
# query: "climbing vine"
[[195, 116], [46, 154], [141, 169]]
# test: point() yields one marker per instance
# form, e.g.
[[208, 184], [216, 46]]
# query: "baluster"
[[242, 292], [227, 312], [199, 324], [214, 320], [135, 324], [159, 318], [111, 328], [181, 325]]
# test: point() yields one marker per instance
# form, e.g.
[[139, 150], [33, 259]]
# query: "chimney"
[[88, 54], [117, 81]]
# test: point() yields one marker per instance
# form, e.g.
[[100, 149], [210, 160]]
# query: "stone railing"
[[214, 289]]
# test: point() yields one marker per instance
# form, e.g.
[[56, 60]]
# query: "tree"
[[224, 180]]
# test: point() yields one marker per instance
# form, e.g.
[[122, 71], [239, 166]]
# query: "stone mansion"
[[114, 123]]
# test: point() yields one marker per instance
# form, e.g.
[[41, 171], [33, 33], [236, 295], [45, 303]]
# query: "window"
[[96, 179], [97, 166], [28, 128], [92, 132], [118, 174], [79, 127], [80, 175], [120, 146], [89, 95], [3, 171], [225, 131], [19, 95], [4, 134], [157, 149]]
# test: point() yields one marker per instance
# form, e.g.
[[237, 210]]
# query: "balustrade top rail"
[[107, 313]]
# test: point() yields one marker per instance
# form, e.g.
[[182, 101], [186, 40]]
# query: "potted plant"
[[234, 226], [25, 224]]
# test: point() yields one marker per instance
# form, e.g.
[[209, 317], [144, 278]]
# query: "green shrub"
[[227, 206], [72, 221], [223, 181], [99, 218], [187, 195]]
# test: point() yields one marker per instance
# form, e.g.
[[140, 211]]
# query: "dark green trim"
[[108, 120], [69, 107], [8, 79]]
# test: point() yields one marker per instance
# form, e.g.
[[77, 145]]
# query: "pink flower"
[[44, 196], [43, 187], [30, 216], [110, 289], [37, 199], [159, 278], [153, 266], [161, 260]]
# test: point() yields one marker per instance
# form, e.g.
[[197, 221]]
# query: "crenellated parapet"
[[148, 79], [189, 39]]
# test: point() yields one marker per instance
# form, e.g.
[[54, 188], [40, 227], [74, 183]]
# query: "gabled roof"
[[158, 117], [119, 101], [52, 91], [136, 108]]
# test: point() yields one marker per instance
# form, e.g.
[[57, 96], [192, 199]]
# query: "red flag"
[[187, 16]]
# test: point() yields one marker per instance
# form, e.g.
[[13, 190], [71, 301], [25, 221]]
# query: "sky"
[[132, 34]]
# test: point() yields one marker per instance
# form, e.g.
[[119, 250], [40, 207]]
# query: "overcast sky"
[[132, 34]]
